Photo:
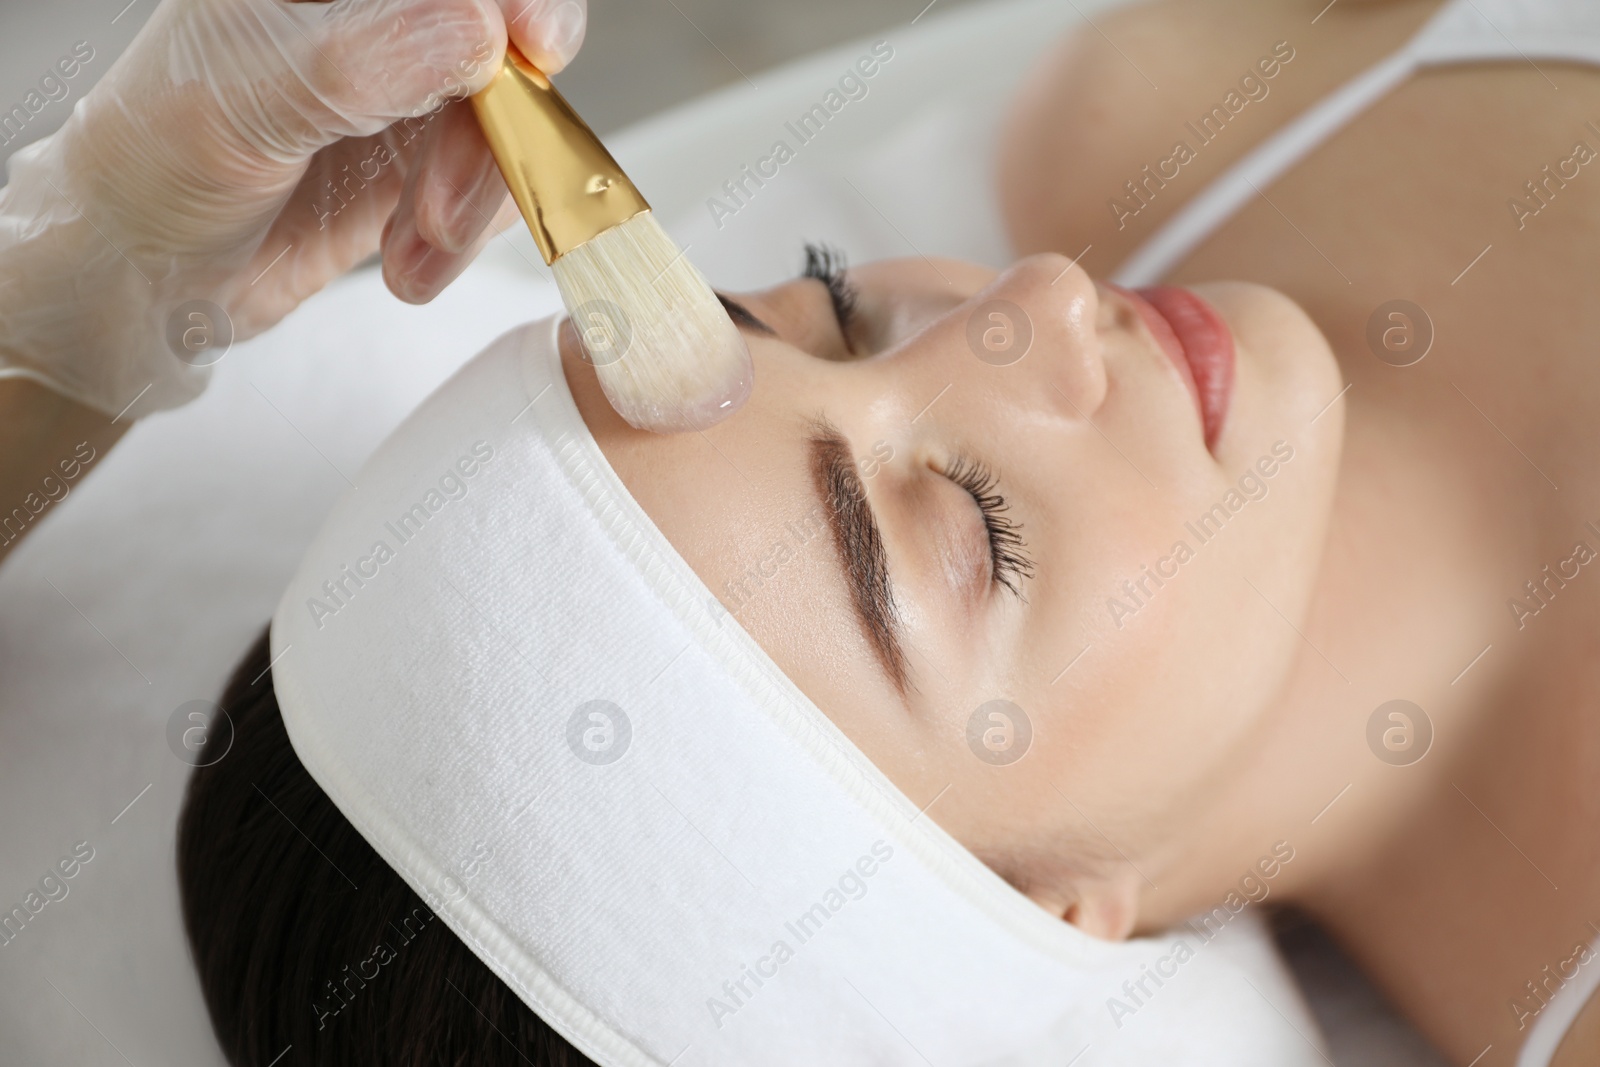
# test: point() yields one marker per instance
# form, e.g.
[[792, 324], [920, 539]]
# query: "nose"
[[1034, 326]]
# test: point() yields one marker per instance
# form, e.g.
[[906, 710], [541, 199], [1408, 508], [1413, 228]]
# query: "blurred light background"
[[641, 56]]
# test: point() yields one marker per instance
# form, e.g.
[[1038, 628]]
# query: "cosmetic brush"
[[667, 355]]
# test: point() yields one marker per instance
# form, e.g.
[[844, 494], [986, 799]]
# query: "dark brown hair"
[[305, 939]]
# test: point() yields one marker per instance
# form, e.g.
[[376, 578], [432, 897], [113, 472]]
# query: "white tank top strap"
[[1462, 31], [1465, 31], [1227, 193]]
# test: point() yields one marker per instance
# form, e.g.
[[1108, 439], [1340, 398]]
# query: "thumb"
[[548, 32]]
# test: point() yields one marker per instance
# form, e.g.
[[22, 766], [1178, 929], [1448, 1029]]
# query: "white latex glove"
[[240, 155]]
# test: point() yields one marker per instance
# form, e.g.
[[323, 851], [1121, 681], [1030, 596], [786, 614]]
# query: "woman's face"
[[921, 511]]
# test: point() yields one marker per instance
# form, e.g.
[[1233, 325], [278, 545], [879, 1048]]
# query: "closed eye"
[[1009, 562], [743, 317], [827, 265]]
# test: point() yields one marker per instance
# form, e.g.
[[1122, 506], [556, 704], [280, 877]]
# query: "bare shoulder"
[[1134, 112]]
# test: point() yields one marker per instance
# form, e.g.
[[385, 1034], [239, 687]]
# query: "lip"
[[1199, 343]]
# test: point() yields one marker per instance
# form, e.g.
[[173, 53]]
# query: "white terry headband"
[[527, 702]]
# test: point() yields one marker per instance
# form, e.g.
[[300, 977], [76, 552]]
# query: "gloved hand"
[[240, 155]]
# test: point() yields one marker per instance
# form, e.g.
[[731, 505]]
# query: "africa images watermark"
[[851, 885], [796, 535], [55, 85], [339, 993], [852, 85], [53, 488], [1550, 982], [1253, 887], [1154, 177], [53, 888], [1252, 486], [341, 190], [1539, 591], [1399, 732], [339, 590], [1542, 190], [352, 980]]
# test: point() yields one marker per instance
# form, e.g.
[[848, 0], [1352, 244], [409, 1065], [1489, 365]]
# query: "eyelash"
[[1007, 550], [827, 265]]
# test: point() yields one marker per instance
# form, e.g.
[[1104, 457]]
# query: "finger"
[[459, 187], [548, 32], [332, 221], [418, 256], [402, 248], [415, 269], [434, 269]]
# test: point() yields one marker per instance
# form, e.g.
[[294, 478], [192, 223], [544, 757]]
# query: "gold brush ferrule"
[[566, 183]]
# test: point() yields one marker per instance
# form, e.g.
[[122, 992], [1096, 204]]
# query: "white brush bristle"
[[667, 355]]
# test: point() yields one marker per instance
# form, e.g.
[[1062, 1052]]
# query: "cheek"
[[1174, 602], [1148, 713]]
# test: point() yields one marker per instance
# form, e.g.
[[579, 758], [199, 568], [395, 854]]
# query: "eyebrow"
[[859, 542], [743, 316]]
